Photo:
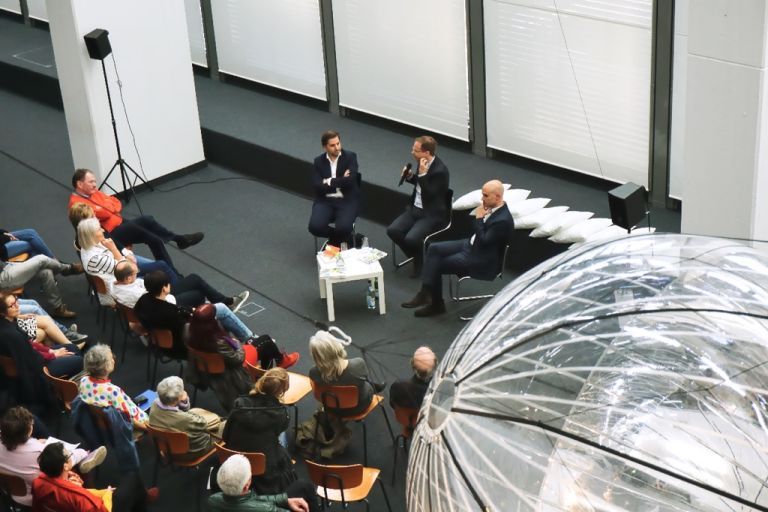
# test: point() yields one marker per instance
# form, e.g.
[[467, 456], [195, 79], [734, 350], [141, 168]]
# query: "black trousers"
[[145, 230], [444, 258], [193, 290], [339, 211], [410, 229]]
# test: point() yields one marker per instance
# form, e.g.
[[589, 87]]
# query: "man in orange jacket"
[[140, 230]]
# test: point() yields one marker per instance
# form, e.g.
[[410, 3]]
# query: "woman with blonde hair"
[[257, 424], [332, 367]]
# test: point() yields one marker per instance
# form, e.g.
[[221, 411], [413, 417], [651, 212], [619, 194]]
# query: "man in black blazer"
[[478, 256], [409, 393], [427, 210], [334, 179]]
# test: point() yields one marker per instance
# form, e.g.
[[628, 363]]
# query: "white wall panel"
[[568, 83], [196, 34], [405, 60], [10, 5], [37, 9], [275, 42], [679, 84]]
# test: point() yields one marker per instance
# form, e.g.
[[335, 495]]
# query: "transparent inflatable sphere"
[[623, 375]]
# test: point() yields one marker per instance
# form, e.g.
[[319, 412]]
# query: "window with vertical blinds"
[[10, 5], [195, 30], [679, 83], [568, 82], [405, 60], [275, 42]]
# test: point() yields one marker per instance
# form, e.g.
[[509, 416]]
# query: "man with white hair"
[[170, 411], [410, 393], [234, 479], [478, 256]]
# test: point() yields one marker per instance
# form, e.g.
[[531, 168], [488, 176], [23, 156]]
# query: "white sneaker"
[[238, 301], [93, 459]]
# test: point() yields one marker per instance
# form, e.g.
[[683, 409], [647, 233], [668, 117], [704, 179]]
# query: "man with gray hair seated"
[[234, 479], [170, 411]]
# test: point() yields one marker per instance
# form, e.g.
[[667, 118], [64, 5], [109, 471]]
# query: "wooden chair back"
[[257, 459], [65, 390], [99, 418], [210, 363], [335, 397], [19, 257], [333, 476], [169, 443], [133, 321], [8, 366], [256, 372], [162, 338], [406, 417], [13, 485]]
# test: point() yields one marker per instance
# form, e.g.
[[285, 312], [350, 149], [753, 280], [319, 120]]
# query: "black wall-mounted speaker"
[[627, 204], [97, 42]]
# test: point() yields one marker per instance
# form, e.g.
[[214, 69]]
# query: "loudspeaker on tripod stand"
[[97, 43]]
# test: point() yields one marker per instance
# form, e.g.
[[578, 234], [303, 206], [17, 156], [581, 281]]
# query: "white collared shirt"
[[334, 164], [417, 200]]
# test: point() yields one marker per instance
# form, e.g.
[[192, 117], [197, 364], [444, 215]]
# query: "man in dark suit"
[[427, 210], [336, 191], [478, 256], [409, 393]]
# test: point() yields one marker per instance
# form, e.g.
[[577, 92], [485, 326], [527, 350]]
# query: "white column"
[[726, 121], [150, 47]]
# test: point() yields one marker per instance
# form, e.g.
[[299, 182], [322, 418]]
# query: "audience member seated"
[[62, 360], [61, 489], [171, 411], [100, 255], [410, 393], [234, 479], [257, 424], [25, 241], [19, 451], [97, 389], [39, 269], [207, 335], [333, 368], [189, 291], [32, 307], [207, 332], [334, 180], [477, 256], [140, 230], [42, 329]]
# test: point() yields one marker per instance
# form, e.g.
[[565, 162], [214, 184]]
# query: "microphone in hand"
[[406, 171]]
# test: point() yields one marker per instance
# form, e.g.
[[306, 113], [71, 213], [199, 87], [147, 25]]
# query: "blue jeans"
[[147, 265], [32, 307], [28, 241], [231, 323]]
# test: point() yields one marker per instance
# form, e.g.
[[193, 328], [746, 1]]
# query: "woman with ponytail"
[[257, 424]]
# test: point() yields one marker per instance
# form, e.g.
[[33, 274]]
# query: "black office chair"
[[359, 203], [449, 206], [459, 279]]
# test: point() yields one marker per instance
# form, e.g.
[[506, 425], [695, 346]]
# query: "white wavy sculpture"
[[625, 375]]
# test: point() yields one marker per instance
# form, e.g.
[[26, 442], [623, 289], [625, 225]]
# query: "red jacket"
[[107, 208], [63, 496]]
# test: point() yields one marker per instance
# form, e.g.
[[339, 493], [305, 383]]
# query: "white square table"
[[354, 268]]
